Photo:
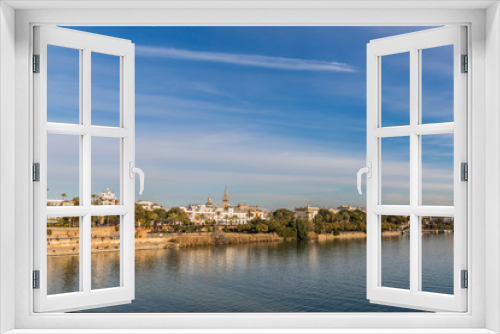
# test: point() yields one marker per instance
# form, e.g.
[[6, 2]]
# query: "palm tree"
[[93, 196], [234, 217], [64, 196], [218, 213], [202, 217], [249, 215]]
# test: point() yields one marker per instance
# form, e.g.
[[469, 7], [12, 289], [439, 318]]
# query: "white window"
[[20, 254], [418, 48], [80, 130]]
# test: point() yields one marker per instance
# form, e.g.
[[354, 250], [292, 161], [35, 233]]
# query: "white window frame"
[[482, 19], [86, 44], [414, 43]]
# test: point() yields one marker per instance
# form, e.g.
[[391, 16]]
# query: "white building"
[[149, 206], [306, 212], [107, 198], [203, 214]]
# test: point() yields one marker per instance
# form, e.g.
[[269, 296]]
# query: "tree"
[[177, 214], [284, 216], [64, 196], [302, 230], [218, 213], [76, 200], [139, 214]]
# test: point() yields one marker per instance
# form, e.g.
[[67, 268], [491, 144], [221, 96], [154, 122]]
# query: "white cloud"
[[281, 63]]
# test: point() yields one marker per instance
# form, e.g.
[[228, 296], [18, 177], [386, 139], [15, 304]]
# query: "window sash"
[[413, 43], [87, 43]]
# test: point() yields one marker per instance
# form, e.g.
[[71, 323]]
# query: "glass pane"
[[395, 170], [105, 171], [63, 170], [63, 85], [63, 261], [395, 251], [437, 169], [437, 84], [105, 90], [395, 94], [437, 254], [105, 247]]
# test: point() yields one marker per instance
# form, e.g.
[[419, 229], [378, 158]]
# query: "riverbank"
[[65, 241]]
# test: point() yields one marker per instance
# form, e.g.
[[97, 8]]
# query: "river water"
[[313, 276]]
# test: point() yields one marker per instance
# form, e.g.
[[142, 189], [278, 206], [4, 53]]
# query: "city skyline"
[[279, 121]]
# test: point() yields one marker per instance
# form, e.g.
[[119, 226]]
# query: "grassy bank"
[[103, 242]]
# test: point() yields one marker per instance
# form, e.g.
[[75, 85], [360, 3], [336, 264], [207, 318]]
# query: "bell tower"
[[225, 200]]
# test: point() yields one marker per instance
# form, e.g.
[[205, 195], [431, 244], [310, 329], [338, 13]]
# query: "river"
[[313, 276]]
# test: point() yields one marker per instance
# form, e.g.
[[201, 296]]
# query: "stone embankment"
[[65, 241]]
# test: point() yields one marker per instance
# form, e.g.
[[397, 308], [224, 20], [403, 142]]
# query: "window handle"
[[368, 171], [134, 170]]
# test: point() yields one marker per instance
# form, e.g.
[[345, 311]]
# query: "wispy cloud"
[[280, 63]]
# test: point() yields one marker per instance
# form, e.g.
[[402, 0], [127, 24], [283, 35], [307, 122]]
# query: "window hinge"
[[465, 279], [464, 171], [36, 172], [36, 63], [36, 279], [465, 64]]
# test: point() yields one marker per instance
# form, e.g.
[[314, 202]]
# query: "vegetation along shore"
[[162, 233]]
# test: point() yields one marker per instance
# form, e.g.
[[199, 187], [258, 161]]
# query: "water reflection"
[[326, 276]]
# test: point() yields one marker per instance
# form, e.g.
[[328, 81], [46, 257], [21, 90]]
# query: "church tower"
[[225, 200]]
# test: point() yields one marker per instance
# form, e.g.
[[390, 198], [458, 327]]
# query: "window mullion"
[[415, 251], [85, 168]]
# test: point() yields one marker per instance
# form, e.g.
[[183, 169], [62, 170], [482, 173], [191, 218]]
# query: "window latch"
[[134, 170], [368, 171]]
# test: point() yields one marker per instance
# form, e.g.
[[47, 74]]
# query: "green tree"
[[302, 230], [284, 216]]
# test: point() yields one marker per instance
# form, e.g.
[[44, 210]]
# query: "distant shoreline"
[[58, 246]]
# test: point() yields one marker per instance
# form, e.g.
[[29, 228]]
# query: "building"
[[59, 202], [149, 206], [347, 208], [202, 214], [306, 213], [225, 200], [107, 198]]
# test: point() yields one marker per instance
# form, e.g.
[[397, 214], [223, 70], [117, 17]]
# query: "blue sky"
[[275, 114]]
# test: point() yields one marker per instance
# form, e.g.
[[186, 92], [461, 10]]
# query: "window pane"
[[437, 254], [395, 251], [63, 261], [105, 171], [105, 90], [437, 169], [63, 170], [395, 94], [437, 84], [105, 252], [395, 170], [63, 85]]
